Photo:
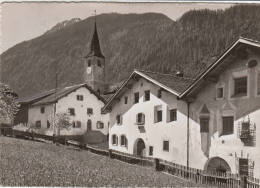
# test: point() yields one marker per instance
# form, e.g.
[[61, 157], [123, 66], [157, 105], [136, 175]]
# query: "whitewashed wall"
[[155, 133], [70, 101]]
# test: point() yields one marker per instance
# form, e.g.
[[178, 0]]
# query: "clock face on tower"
[[88, 70]]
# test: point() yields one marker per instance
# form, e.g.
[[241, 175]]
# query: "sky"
[[23, 21]]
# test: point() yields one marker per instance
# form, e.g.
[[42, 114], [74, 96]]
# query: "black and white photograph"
[[130, 94]]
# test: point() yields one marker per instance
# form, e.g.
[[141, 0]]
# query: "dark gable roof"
[[200, 80], [65, 91], [35, 98], [173, 84], [176, 83]]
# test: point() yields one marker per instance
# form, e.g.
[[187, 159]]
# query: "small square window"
[[119, 119], [71, 111], [114, 140], [228, 125], [159, 115], [80, 97], [151, 150], [100, 125], [220, 92], [38, 124], [147, 95], [42, 109], [165, 145], [78, 124], [136, 97], [204, 124], [126, 100], [173, 115], [89, 111]]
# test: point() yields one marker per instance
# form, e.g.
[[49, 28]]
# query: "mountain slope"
[[146, 41]]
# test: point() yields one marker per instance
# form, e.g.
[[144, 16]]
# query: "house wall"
[[228, 147], [155, 133], [22, 114], [70, 101]]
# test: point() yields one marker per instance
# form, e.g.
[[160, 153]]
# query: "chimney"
[[179, 73]]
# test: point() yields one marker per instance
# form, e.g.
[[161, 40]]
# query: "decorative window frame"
[[220, 85], [227, 113], [238, 74]]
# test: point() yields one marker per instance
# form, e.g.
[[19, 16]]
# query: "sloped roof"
[[173, 84], [34, 98], [94, 45], [241, 42], [61, 92], [176, 83]]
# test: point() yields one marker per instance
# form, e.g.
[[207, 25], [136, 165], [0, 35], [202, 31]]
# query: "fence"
[[197, 176]]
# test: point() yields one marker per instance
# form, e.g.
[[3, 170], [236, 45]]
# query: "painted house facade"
[[215, 117], [224, 112]]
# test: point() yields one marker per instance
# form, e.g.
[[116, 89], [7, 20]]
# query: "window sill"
[[239, 96]]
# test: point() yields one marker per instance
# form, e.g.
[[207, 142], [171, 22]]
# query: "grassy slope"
[[27, 163]]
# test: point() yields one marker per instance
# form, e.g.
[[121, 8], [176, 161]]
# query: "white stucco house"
[[209, 123], [80, 102]]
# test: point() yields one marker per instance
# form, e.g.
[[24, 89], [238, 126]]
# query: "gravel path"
[[27, 163]]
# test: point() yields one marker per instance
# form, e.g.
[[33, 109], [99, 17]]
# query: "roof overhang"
[[201, 78], [110, 102]]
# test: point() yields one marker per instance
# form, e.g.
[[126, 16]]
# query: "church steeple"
[[94, 65], [94, 45]]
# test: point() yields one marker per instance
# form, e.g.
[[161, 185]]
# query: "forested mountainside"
[[148, 41]]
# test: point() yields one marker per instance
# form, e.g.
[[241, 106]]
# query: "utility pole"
[[188, 133], [55, 97]]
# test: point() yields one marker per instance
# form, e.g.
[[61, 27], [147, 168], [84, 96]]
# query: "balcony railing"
[[247, 133]]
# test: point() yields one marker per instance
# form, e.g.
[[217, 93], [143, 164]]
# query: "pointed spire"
[[94, 45]]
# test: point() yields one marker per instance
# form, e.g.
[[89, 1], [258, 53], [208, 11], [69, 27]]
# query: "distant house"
[[208, 123], [25, 102], [80, 102]]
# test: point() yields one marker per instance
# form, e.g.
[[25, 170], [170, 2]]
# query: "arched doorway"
[[217, 164], [139, 147]]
